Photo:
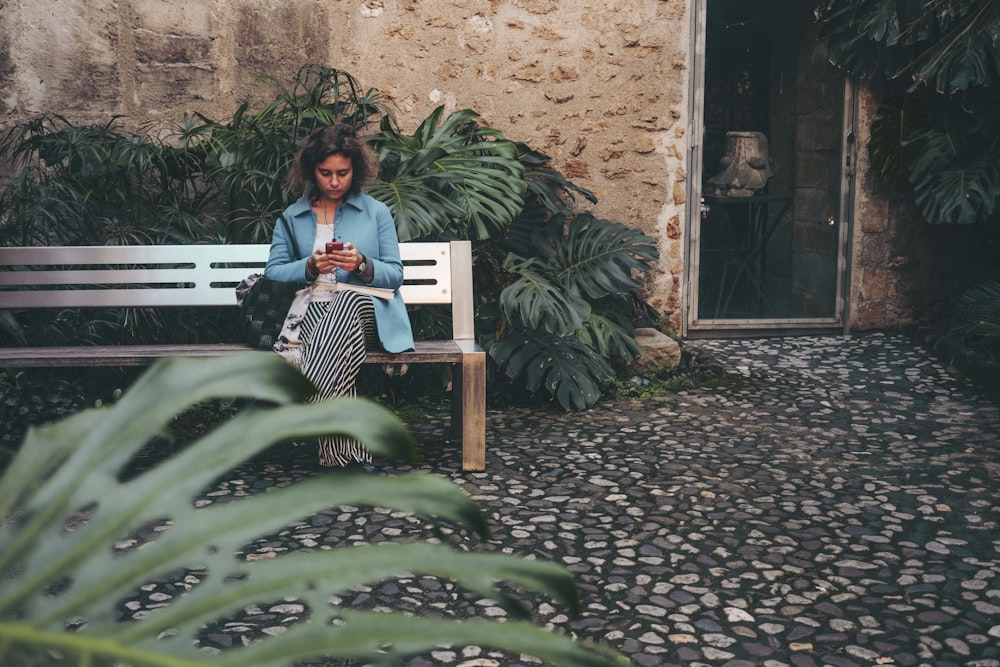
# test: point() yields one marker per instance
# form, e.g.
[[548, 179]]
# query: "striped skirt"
[[335, 335]]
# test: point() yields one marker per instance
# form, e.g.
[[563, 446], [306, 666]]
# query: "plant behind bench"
[[556, 303]]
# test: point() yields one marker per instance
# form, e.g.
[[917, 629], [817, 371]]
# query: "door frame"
[[691, 326]]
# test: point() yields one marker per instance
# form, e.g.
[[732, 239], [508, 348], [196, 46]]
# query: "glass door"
[[767, 242]]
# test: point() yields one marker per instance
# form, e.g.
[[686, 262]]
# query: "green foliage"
[[450, 179], [204, 181], [564, 310], [977, 318], [955, 174], [67, 512], [891, 145], [24, 396], [695, 370], [543, 270], [937, 134], [76, 185], [564, 368], [952, 46], [949, 163]]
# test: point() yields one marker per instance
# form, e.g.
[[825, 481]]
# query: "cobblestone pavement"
[[837, 506]]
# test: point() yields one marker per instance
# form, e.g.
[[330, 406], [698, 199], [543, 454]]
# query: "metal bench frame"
[[205, 275]]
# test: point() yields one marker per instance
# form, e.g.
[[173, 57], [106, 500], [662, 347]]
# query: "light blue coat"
[[367, 224]]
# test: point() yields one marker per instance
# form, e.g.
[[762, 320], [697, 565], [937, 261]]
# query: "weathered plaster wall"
[[600, 87]]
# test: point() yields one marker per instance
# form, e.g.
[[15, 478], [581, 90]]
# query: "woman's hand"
[[325, 262]]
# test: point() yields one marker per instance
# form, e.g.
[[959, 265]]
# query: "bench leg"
[[468, 410]]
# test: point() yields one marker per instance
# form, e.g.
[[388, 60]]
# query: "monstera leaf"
[[610, 338], [566, 310], [891, 146], [72, 497], [966, 195], [419, 210], [537, 302], [956, 173], [952, 46], [595, 258], [566, 369], [977, 313], [967, 55], [861, 36], [598, 257]]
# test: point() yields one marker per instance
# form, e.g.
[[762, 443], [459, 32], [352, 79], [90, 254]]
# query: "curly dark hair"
[[322, 143]]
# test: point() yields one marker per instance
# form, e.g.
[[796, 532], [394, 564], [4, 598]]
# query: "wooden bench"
[[206, 275]]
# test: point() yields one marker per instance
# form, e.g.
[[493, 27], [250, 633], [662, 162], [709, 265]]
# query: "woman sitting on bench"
[[344, 237]]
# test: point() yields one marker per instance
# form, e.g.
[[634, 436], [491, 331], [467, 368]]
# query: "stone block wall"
[[904, 270], [600, 87]]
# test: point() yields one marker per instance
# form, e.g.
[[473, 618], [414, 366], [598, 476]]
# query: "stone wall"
[[600, 87], [904, 270]]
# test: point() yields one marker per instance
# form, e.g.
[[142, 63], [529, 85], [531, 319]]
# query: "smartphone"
[[334, 245]]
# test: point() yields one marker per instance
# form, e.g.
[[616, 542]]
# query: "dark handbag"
[[264, 304]]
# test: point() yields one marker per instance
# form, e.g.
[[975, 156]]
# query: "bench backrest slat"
[[201, 275]]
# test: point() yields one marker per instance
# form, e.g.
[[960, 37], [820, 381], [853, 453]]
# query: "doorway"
[[772, 125]]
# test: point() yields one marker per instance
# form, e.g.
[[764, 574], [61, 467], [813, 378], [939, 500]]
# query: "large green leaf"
[[857, 34], [952, 45], [965, 62], [60, 589], [598, 256], [891, 146], [419, 211], [977, 314], [365, 635], [564, 368], [964, 195], [956, 172], [593, 259], [537, 302], [473, 168], [610, 338]]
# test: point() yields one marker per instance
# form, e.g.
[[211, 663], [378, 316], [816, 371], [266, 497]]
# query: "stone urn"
[[746, 165]]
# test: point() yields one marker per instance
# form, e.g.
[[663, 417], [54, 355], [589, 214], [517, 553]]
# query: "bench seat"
[[427, 351], [157, 276]]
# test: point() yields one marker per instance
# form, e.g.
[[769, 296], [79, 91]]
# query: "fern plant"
[[71, 497]]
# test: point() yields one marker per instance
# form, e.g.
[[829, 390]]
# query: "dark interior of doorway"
[[745, 255], [740, 39], [770, 251]]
